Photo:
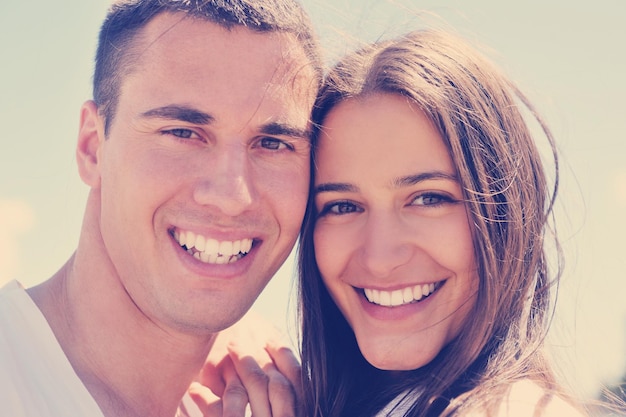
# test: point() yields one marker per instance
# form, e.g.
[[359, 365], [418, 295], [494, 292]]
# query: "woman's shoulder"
[[527, 398]]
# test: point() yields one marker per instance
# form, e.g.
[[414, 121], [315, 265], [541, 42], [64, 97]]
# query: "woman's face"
[[392, 239]]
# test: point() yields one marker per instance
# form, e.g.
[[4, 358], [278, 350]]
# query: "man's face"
[[204, 173]]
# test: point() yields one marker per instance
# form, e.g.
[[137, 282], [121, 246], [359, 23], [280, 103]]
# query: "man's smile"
[[210, 250]]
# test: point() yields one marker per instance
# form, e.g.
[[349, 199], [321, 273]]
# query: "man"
[[196, 153]]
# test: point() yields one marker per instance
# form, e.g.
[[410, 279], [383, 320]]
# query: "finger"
[[287, 364], [208, 403], [281, 393], [250, 335], [235, 396], [254, 380], [212, 375]]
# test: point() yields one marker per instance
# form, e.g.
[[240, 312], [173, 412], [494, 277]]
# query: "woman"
[[424, 283]]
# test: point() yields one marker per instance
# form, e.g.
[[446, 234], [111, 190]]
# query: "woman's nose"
[[386, 244]]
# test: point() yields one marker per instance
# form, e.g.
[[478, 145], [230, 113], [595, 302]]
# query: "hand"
[[247, 369], [232, 400]]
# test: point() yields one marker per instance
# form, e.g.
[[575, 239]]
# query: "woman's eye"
[[339, 208], [431, 199], [274, 144], [180, 133]]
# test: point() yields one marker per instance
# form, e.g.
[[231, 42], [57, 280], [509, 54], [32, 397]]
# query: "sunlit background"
[[568, 56]]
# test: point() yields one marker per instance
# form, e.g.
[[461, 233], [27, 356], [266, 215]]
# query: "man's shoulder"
[[13, 299], [16, 306], [36, 377], [8, 287]]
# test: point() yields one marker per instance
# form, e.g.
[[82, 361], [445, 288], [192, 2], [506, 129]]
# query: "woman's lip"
[[398, 313], [401, 296]]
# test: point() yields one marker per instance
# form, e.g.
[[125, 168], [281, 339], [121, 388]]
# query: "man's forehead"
[[180, 29], [190, 62], [176, 33]]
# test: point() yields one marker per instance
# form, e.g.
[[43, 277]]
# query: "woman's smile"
[[403, 296]]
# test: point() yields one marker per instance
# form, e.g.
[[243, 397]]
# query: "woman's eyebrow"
[[335, 187], [399, 182], [409, 180], [181, 113]]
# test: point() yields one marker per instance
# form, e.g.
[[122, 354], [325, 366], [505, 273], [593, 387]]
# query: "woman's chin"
[[396, 361]]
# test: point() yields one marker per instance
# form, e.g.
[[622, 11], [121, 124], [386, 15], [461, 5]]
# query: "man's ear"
[[88, 148]]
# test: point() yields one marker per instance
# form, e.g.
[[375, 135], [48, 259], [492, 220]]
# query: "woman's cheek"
[[329, 247]]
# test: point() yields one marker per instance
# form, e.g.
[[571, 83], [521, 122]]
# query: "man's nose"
[[226, 181]]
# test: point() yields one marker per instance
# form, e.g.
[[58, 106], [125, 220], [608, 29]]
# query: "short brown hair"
[[127, 17]]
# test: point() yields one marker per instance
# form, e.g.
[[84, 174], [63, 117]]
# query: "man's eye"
[[180, 133], [274, 144]]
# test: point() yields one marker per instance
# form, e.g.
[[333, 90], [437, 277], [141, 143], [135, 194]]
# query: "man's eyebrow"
[[283, 129], [182, 113]]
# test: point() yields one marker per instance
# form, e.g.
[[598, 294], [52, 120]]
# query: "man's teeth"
[[210, 250], [399, 297]]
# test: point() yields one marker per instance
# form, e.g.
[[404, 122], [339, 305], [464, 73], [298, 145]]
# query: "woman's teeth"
[[399, 297], [212, 251]]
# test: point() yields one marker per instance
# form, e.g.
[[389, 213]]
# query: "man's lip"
[[211, 250]]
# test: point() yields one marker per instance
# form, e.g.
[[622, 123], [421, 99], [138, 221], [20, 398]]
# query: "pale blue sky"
[[568, 57]]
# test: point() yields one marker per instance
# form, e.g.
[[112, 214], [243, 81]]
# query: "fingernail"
[[194, 386], [233, 347]]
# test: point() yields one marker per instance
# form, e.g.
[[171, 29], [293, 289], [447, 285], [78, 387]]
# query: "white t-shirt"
[[36, 378]]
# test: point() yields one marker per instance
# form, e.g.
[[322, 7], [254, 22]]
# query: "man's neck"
[[130, 365]]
